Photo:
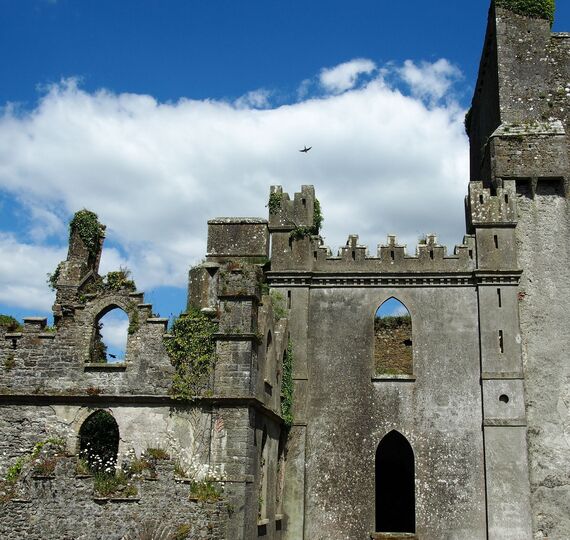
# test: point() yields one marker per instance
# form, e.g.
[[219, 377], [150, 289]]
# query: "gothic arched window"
[[393, 353]]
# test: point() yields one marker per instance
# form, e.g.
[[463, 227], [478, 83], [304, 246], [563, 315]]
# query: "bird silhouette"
[[306, 149]]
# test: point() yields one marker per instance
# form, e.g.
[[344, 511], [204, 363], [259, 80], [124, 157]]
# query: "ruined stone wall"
[[64, 507]]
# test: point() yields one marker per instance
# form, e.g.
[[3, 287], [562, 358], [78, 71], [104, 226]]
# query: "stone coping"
[[237, 221], [393, 378], [104, 366]]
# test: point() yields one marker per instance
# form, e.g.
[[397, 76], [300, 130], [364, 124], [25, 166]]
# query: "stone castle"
[[263, 414]]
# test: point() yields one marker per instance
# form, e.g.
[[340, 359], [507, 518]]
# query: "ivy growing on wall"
[[541, 9], [87, 225], [274, 203], [192, 351], [301, 232], [287, 386]]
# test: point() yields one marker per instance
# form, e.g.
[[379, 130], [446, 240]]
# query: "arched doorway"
[[99, 441], [395, 489]]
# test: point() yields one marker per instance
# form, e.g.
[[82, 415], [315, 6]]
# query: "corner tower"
[[518, 130]]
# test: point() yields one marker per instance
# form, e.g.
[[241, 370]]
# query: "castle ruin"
[[264, 413]]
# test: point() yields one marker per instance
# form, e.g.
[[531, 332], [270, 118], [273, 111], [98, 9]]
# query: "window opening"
[[395, 489], [503, 398], [392, 254], [499, 297], [431, 254], [353, 255], [109, 343], [262, 499], [481, 199], [99, 442], [288, 299], [506, 198], [496, 240], [393, 339], [470, 253], [501, 345]]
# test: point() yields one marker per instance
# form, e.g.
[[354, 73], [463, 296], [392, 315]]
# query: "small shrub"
[[107, 484], [156, 453], [45, 466], [205, 491], [182, 532], [10, 323], [82, 468], [540, 9], [119, 280]]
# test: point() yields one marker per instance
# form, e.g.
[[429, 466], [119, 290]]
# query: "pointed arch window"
[[393, 353], [395, 485]]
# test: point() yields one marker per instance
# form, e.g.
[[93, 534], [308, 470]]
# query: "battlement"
[[286, 214], [487, 209]]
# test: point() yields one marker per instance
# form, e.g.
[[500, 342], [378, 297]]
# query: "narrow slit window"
[[353, 255], [501, 342], [481, 199], [496, 240], [431, 254], [392, 254], [499, 300], [470, 253], [288, 299], [506, 198]]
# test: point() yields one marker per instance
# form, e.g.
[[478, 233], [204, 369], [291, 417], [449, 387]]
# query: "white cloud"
[[155, 173], [114, 331], [345, 76], [430, 81], [23, 269]]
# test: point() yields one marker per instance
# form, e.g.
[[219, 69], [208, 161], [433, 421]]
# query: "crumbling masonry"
[[473, 443]]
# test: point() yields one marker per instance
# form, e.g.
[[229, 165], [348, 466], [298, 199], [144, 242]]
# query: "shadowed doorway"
[[395, 492]]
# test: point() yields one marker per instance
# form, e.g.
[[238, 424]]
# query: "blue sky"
[[159, 115]]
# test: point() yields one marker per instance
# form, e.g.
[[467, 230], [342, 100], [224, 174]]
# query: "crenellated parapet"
[[487, 209], [286, 214]]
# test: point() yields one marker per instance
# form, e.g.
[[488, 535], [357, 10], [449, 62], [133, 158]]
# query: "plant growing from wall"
[[287, 387], [192, 351], [540, 9], [278, 303], [274, 203], [9, 323], [119, 280], [314, 229], [87, 226], [52, 278]]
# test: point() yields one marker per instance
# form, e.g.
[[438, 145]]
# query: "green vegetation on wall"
[[87, 225], [274, 203], [301, 232], [541, 9], [9, 323], [192, 351], [287, 386]]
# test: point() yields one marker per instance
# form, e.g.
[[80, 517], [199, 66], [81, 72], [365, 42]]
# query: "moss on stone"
[[541, 9]]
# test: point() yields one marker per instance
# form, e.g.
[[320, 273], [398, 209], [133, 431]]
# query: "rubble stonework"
[[483, 401]]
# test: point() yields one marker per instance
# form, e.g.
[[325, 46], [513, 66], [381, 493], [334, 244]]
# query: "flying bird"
[[306, 149]]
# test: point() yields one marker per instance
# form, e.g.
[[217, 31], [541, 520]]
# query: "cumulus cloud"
[[345, 76], [430, 80], [384, 160], [23, 273], [114, 330]]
